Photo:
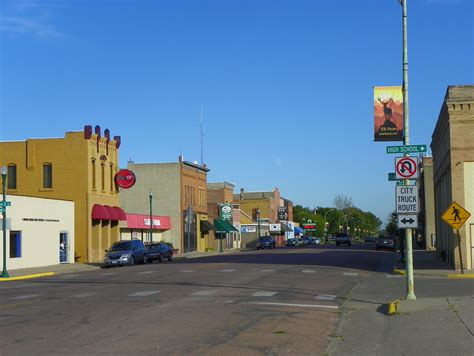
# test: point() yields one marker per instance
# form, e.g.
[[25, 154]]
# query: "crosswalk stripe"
[[146, 272], [227, 270], [83, 295], [264, 294], [188, 270], [350, 274], [308, 271], [295, 305], [325, 297], [267, 270], [204, 292], [25, 296], [144, 293]]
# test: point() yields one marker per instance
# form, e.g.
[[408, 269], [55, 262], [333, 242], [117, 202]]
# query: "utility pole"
[[406, 141], [258, 222], [151, 217], [4, 221]]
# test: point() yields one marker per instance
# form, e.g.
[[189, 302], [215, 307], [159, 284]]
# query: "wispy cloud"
[[28, 18]]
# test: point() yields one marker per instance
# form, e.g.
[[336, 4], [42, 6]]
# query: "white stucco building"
[[40, 232]]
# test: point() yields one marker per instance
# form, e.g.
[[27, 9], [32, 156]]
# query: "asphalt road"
[[284, 300]]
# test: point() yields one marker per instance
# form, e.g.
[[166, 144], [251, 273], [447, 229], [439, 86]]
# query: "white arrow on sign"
[[407, 221]]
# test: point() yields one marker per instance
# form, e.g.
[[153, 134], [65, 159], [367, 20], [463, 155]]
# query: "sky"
[[285, 87]]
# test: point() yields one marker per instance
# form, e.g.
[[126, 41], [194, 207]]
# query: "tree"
[[392, 228], [343, 202]]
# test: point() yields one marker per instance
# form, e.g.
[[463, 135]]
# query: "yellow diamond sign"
[[456, 215]]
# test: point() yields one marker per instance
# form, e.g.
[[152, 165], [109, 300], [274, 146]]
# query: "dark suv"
[[125, 252], [386, 243], [158, 251], [265, 241], [343, 238]]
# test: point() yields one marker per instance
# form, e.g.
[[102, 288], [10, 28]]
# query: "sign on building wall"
[[275, 227], [282, 213], [225, 211], [388, 113]]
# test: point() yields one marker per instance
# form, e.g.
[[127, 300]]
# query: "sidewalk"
[[439, 322]]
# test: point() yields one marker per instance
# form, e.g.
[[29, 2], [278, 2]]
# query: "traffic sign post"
[[456, 216], [406, 167], [407, 221], [406, 149]]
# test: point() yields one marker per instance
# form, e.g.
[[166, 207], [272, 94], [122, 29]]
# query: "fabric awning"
[[223, 226], [99, 212], [298, 230], [112, 214], [206, 226], [120, 213]]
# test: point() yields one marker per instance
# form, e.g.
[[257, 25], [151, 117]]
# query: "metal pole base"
[[5, 274], [410, 296]]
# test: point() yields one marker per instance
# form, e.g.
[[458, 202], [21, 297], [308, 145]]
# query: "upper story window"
[[93, 175], [202, 198], [47, 176], [102, 171], [11, 176], [111, 178]]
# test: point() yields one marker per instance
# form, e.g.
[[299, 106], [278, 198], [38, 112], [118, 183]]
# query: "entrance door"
[[63, 247]]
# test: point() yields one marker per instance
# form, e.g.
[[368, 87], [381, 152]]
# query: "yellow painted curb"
[[27, 276], [393, 307], [461, 276], [399, 271]]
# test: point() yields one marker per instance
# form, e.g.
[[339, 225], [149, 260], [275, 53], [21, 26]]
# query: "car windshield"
[[121, 246], [341, 234]]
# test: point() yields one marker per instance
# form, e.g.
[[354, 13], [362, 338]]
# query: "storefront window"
[[15, 244]]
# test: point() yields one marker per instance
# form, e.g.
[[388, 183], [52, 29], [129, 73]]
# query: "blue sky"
[[286, 86]]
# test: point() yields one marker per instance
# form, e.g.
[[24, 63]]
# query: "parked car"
[[291, 242], [125, 252], [158, 251], [386, 243], [343, 238], [306, 240], [370, 239], [265, 242], [298, 241], [331, 239], [315, 241]]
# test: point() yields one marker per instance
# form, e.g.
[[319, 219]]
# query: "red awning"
[[140, 221], [99, 212], [111, 211], [120, 213]]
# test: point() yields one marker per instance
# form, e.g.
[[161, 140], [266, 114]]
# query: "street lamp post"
[[258, 222], [151, 217], [4, 222]]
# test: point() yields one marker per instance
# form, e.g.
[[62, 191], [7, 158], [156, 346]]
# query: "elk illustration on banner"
[[388, 113]]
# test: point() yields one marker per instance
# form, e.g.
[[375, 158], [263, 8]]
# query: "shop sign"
[[125, 178], [275, 227], [156, 222], [282, 213], [225, 211], [248, 229]]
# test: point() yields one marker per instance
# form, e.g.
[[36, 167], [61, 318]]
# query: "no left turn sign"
[[406, 167]]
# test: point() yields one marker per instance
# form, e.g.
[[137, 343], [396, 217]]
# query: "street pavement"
[[323, 300]]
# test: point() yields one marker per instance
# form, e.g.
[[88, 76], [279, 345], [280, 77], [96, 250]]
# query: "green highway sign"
[[407, 149], [392, 178], [5, 203]]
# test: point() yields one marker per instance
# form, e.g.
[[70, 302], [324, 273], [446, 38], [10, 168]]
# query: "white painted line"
[[267, 270], [325, 297], [264, 294], [26, 296], [188, 270], [350, 274], [394, 276], [308, 271], [146, 272], [108, 274], [204, 292], [228, 301], [83, 295], [295, 305], [227, 270], [144, 293]]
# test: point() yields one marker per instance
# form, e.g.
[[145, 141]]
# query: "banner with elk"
[[388, 113]]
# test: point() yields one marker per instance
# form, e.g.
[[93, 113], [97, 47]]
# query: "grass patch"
[[279, 332]]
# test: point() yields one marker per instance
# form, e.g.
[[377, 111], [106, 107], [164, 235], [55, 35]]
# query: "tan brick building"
[[453, 172]]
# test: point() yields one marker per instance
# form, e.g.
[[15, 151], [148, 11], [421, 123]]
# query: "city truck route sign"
[[406, 199], [406, 167]]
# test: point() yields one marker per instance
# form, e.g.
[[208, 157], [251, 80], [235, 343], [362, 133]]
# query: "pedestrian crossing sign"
[[455, 216]]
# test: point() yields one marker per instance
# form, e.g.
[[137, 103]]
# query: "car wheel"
[[132, 261], [170, 257], [160, 258]]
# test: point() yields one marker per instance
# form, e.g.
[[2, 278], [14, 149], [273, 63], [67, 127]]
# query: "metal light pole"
[[258, 222], [406, 141], [4, 222], [151, 217]]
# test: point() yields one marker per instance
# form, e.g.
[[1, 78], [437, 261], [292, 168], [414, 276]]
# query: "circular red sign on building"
[[125, 178]]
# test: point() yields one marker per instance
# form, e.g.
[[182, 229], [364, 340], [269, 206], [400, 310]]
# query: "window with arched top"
[[11, 176], [111, 178], [47, 175], [102, 181], [93, 173]]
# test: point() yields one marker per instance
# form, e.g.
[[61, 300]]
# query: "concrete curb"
[[27, 276], [399, 271]]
